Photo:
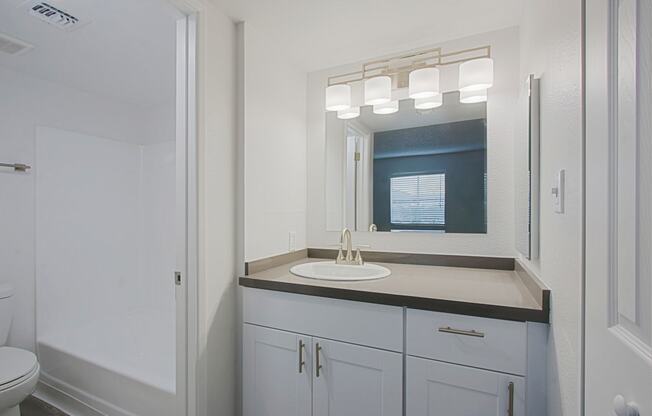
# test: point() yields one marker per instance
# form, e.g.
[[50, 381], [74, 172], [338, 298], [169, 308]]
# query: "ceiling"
[[407, 117], [123, 49], [319, 34]]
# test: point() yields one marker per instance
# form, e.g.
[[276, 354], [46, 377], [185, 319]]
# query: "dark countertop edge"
[[508, 313]]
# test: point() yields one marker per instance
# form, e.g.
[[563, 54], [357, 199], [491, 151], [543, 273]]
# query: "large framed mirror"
[[527, 171], [415, 170]]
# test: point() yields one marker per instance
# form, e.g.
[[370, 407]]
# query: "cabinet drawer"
[[478, 342], [378, 326]]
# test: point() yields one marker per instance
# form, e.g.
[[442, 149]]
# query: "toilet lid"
[[15, 363]]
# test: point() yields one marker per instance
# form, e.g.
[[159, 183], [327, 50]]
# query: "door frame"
[[186, 292]]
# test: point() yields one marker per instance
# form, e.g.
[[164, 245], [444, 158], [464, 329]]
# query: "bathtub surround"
[[43, 103], [105, 242]]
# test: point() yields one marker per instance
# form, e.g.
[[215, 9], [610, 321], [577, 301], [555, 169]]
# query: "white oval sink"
[[329, 270]]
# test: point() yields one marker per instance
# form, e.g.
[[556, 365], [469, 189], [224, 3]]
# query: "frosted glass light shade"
[[428, 103], [477, 74], [338, 97], [377, 90], [349, 113], [386, 108], [470, 97], [424, 83]]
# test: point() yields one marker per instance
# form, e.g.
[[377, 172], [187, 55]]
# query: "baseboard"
[[74, 401]]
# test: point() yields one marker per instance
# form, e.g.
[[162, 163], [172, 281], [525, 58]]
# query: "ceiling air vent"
[[54, 16], [13, 46]]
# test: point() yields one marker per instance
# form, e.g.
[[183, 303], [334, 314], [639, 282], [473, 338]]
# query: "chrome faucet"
[[345, 238]]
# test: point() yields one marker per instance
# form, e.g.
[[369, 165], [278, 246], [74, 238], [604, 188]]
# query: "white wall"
[[218, 247], [499, 240], [550, 49], [26, 103], [275, 148]]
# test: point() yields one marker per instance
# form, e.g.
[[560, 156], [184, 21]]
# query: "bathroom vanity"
[[427, 340], [453, 335]]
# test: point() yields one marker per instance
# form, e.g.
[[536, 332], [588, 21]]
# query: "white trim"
[[187, 293], [192, 331], [50, 391]]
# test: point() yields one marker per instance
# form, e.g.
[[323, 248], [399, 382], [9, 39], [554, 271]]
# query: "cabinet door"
[[350, 380], [435, 388], [274, 381]]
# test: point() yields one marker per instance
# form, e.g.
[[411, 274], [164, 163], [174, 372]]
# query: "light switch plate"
[[292, 241], [558, 191]]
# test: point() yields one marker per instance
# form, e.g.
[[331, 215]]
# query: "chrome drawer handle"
[[302, 362], [471, 333], [318, 365], [510, 408]]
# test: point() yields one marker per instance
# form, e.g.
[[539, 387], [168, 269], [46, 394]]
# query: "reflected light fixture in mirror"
[[477, 74], [424, 83], [471, 97], [429, 103], [349, 113], [378, 90], [338, 97], [386, 108]]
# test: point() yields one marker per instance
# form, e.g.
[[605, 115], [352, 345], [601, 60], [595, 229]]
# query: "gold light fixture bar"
[[405, 63]]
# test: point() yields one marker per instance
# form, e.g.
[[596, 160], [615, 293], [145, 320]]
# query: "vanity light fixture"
[[423, 83], [476, 74], [338, 97], [415, 74], [349, 113], [386, 108], [429, 103], [378, 90], [471, 97]]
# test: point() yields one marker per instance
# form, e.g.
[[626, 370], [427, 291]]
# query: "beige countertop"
[[481, 292]]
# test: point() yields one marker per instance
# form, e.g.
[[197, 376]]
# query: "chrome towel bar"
[[18, 167]]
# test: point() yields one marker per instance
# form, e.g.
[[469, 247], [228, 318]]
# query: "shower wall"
[[25, 103], [105, 257], [89, 231]]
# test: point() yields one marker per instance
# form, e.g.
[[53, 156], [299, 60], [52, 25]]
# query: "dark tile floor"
[[37, 407]]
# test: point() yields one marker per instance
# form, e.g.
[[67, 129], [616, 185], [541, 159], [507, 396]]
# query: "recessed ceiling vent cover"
[[54, 16], [13, 46]]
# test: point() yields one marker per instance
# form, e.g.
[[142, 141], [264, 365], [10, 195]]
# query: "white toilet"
[[19, 369]]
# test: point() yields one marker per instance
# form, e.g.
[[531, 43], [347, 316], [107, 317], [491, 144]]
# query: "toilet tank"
[[6, 311]]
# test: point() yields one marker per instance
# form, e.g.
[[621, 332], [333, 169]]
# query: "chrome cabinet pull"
[[471, 333], [318, 366], [302, 361], [510, 405]]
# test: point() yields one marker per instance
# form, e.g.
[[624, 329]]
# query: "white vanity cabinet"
[[459, 365], [274, 384], [316, 356], [356, 381], [435, 388], [348, 363], [295, 375]]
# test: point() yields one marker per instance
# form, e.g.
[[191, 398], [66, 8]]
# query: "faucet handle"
[[358, 257]]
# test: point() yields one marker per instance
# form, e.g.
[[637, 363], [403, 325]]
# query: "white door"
[[277, 373], [434, 388], [618, 305], [350, 380]]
